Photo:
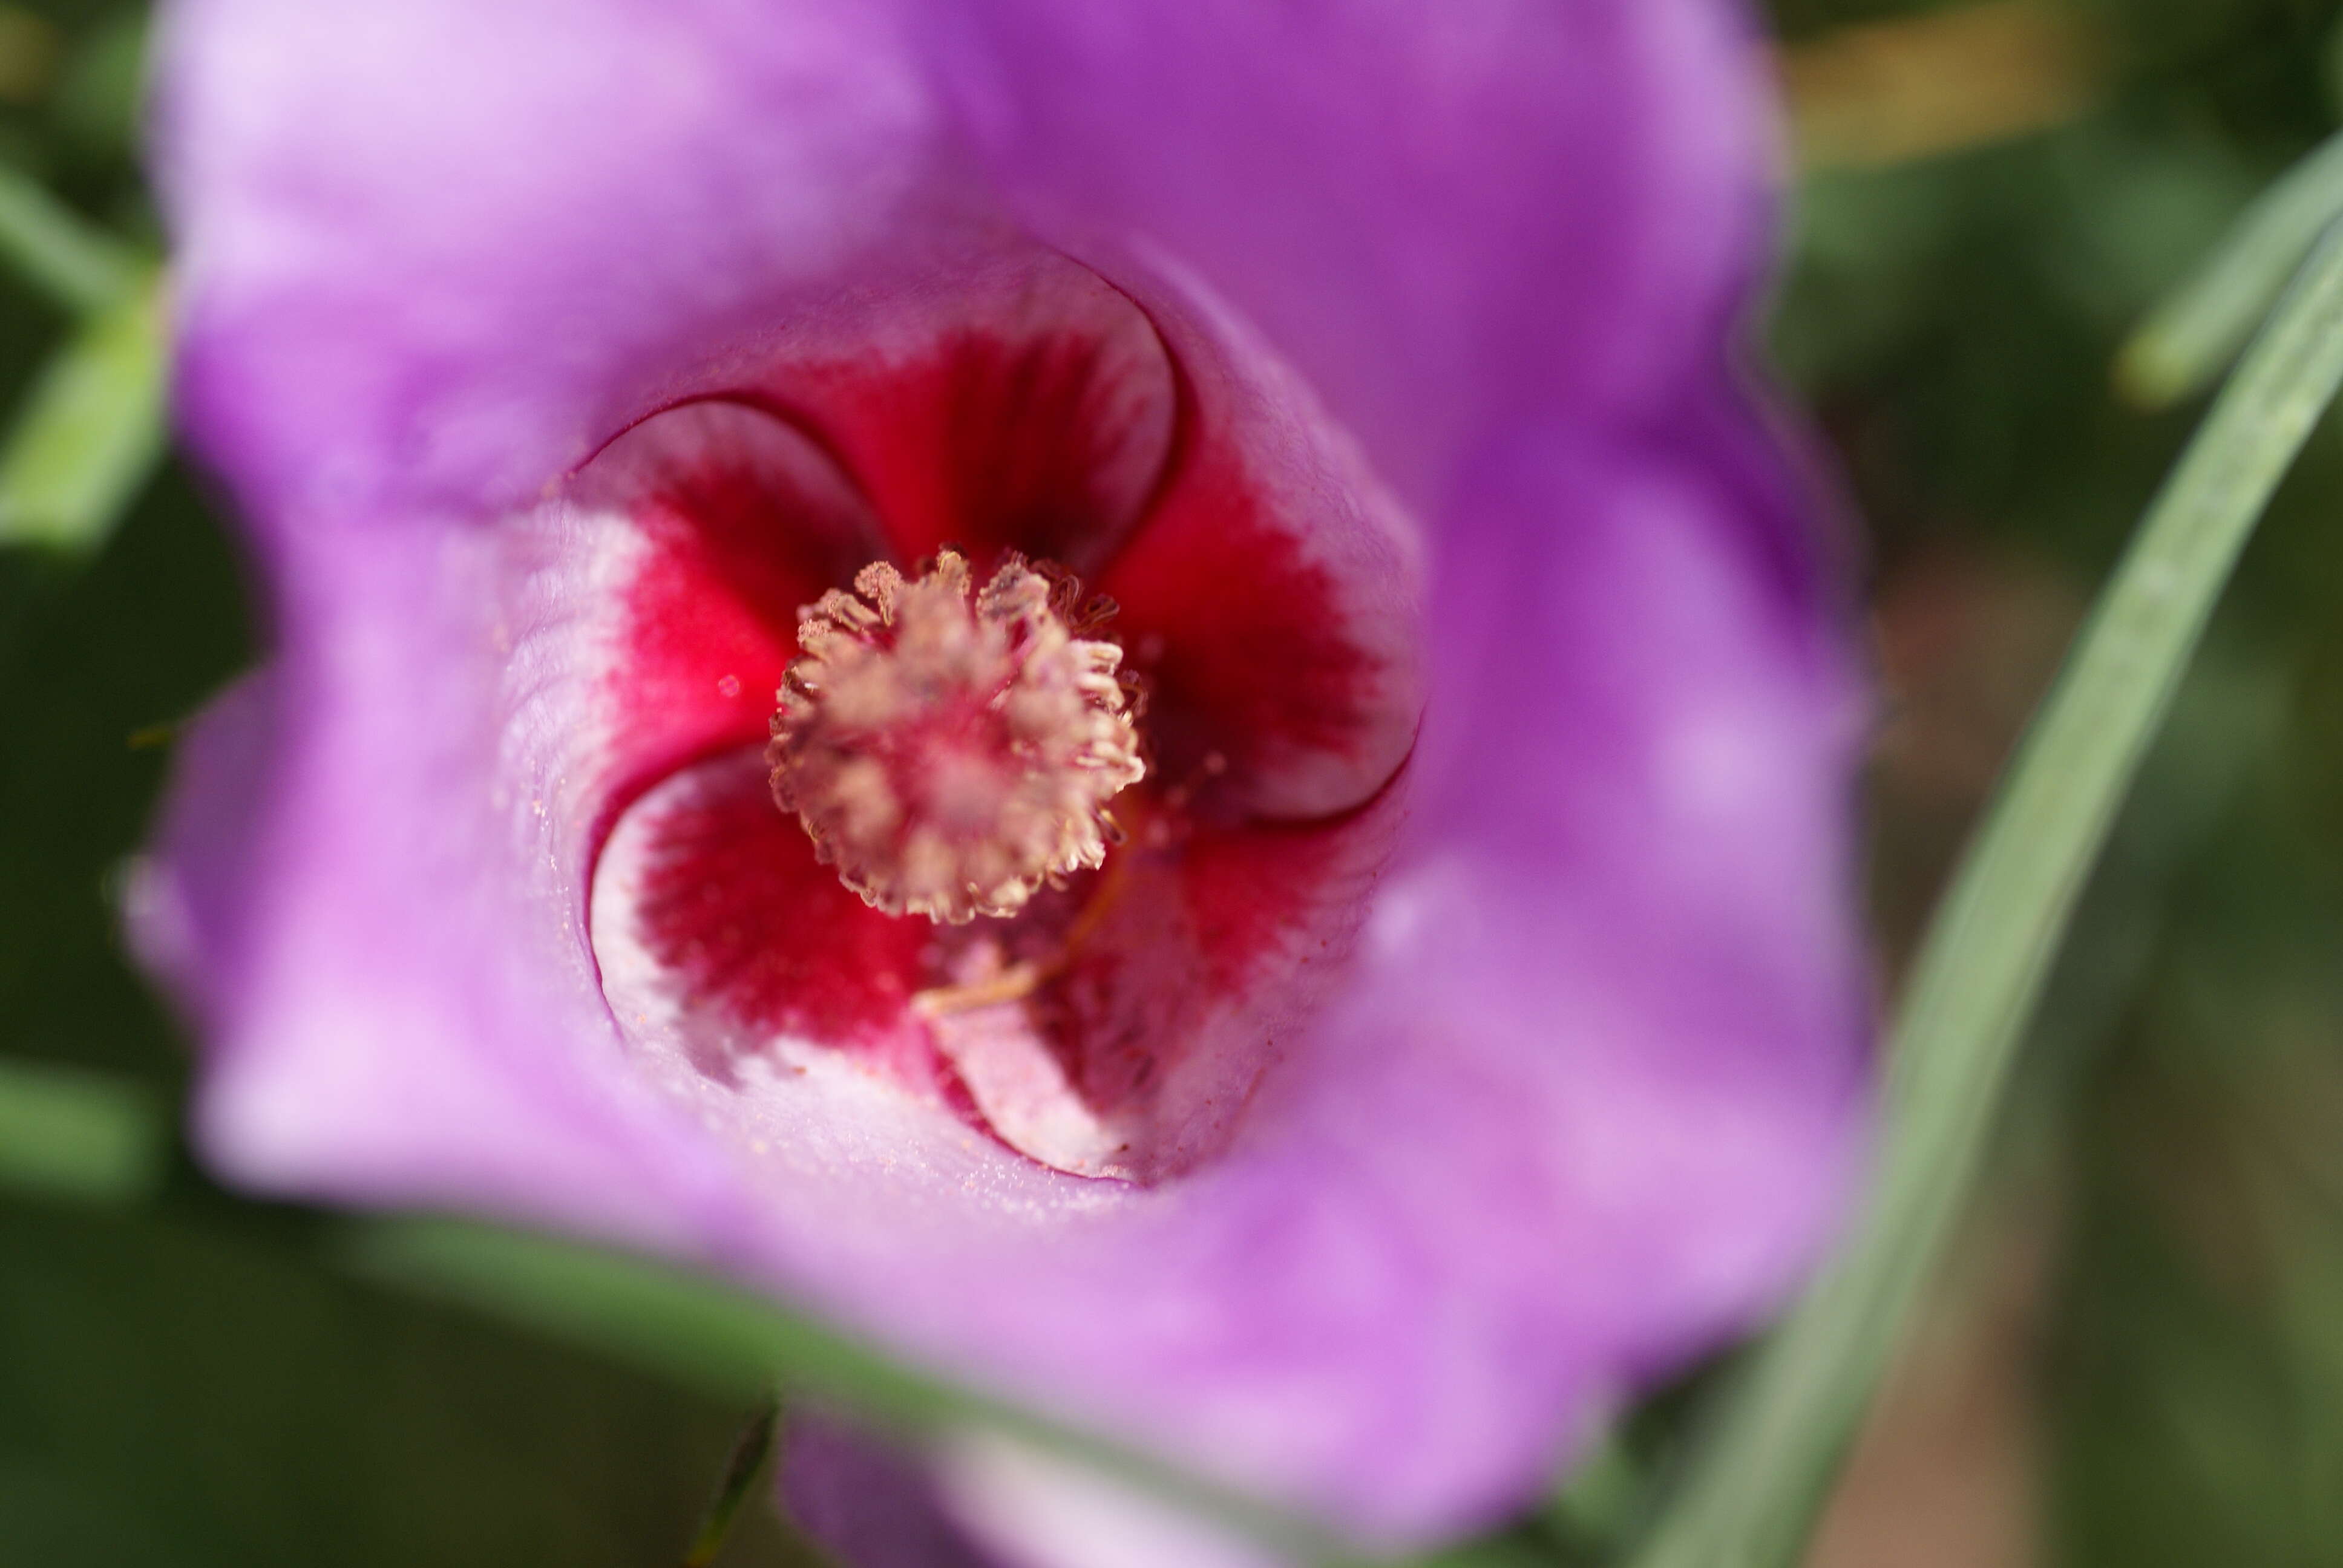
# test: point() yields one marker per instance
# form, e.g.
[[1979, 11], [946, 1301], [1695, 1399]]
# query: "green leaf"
[[70, 260], [736, 1345], [723, 1341], [2197, 333], [67, 1132], [92, 431], [1750, 1498]]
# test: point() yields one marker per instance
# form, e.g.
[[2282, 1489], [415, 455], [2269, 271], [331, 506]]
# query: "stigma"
[[951, 750]]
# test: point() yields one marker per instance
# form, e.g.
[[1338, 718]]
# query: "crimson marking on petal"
[[733, 903], [743, 520], [1249, 893], [1196, 932], [1042, 428], [1164, 984], [1241, 635]]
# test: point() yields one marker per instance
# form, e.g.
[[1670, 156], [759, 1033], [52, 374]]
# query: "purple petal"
[[865, 1504], [980, 1501], [1444, 216], [480, 237]]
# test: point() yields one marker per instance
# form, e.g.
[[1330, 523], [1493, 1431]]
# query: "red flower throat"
[[964, 851]]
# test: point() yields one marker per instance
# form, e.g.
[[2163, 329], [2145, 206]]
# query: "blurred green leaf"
[[725, 1342], [2195, 334], [69, 259], [1604, 1488], [92, 432], [68, 1132], [103, 87], [736, 1345], [174, 1396], [1752, 1496]]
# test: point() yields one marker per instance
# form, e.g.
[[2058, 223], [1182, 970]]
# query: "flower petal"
[[865, 1504], [480, 237], [1273, 598], [715, 927], [704, 528], [729, 954], [1020, 404], [1039, 1510], [1440, 215], [380, 1026]]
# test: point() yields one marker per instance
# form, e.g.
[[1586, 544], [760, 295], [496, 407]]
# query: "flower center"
[[950, 751]]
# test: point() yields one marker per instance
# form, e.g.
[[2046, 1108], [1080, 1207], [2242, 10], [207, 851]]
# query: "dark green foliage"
[[177, 1395]]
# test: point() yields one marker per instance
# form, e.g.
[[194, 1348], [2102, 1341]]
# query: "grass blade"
[[2195, 334], [1749, 1499]]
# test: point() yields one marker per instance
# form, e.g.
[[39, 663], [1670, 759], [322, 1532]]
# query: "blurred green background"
[[2138, 1358]]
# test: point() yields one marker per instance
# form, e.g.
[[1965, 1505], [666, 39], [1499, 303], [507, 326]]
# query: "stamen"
[[1015, 983], [951, 755]]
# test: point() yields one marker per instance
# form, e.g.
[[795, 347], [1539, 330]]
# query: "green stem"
[[1750, 1497]]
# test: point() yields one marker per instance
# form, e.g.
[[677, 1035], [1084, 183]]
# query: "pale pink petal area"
[[1025, 1506]]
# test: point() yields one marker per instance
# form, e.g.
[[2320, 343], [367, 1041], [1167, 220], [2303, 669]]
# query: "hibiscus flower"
[[1125, 693]]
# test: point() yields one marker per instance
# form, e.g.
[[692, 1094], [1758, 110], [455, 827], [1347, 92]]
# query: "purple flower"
[[1457, 1023]]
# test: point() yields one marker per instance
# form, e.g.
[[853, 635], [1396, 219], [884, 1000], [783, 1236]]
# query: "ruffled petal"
[[368, 912], [479, 238], [473, 234], [1440, 215]]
